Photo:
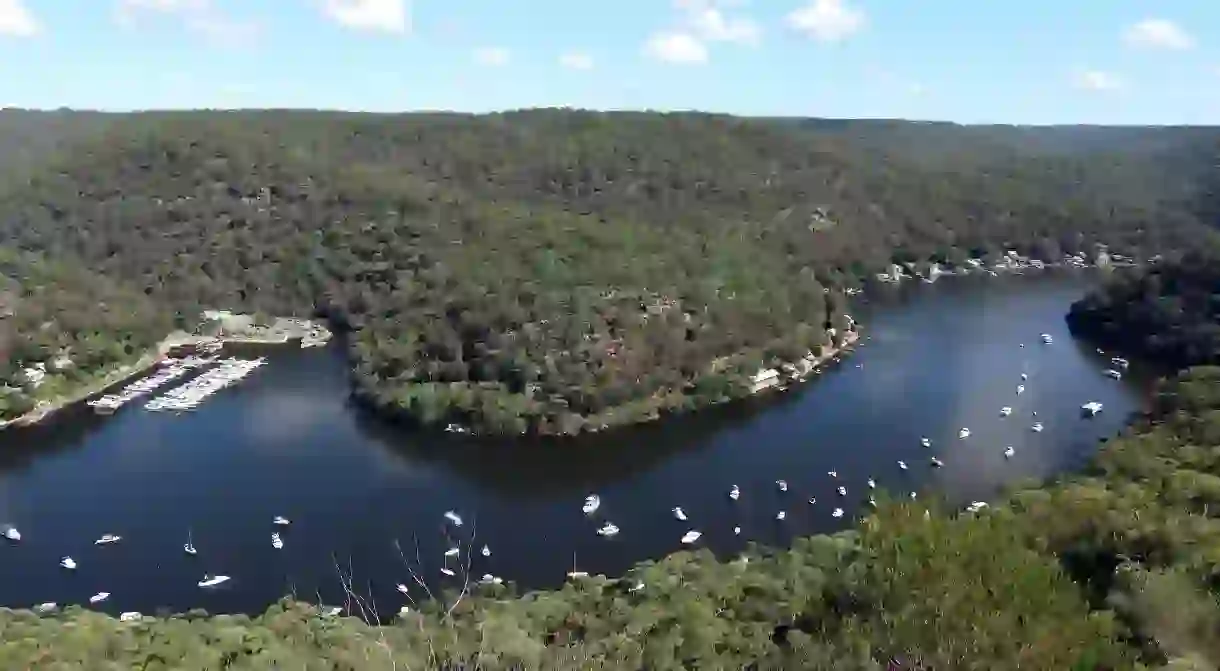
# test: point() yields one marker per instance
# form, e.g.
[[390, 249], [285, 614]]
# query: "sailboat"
[[189, 547], [213, 580]]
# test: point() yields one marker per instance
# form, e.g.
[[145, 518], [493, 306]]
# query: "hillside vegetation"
[[558, 271]]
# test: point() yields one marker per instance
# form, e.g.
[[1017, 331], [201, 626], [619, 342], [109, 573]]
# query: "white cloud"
[[828, 21], [680, 48], [387, 16], [491, 56], [199, 16], [16, 20], [575, 60], [1098, 80], [1159, 34], [711, 24]]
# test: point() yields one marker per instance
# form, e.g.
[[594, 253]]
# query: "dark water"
[[286, 442]]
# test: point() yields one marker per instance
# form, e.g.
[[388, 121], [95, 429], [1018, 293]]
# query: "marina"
[[199, 493]]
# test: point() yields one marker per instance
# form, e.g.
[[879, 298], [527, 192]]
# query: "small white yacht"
[[1008, 452], [489, 579], [108, 539], [838, 512], [833, 474], [401, 588], [782, 484], [280, 521], [1005, 411], [68, 563], [1091, 408], [189, 546], [736, 531], [964, 433], [609, 530], [47, 607], [691, 536], [872, 484], [99, 597], [1120, 362], [11, 533], [486, 551], [976, 506], [842, 491], [872, 503], [812, 500], [1046, 338], [277, 542], [781, 516], [130, 616], [926, 442], [1036, 428], [213, 580], [1114, 374], [679, 513], [913, 496], [734, 492], [1020, 389], [592, 503], [1024, 376], [937, 463], [902, 464], [452, 552], [447, 571], [639, 585], [453, 517], [575, 575]]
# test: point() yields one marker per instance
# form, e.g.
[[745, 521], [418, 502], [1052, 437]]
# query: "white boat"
[[913, 496], [838, 512], [872, 484], [453, 517], [926, 442], [46, 607], [99, 597], [902, 464], [833, 474], [1024, 376], [1120, 362], [213, 580], [333, 611], [68, 563], [1020, 389], [976, 506], [609, 530], [578, 574], [781, 515], [679, 513], [486, 551], [401, 588], [276, 541], [782, 484], [1046, 338], [872, 503], [1114, 374], [11, 533], [1036, 428], [1008, 452], [842, 491], [1091, 408], [107, 539], [1005, 411], [736, 531], [489, 579], [592, 503], [964, 433], [812, 500], [937, 462], [130, 616], [734, 493], [691, 536], [280, 521], [447, 571], [452, 552], [636, 587]]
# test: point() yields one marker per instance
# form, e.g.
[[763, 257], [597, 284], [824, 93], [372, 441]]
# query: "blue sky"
[[1033, 61]]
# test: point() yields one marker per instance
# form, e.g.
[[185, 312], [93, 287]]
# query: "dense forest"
[[556, 271], [1114, 569]]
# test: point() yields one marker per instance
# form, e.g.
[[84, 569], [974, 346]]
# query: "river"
[[286, 441]]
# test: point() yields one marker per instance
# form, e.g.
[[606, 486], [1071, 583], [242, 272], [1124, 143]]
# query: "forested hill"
[[560, 270], [1169, 312]]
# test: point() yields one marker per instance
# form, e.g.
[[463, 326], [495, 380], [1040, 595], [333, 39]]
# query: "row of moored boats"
[[172, 369], [188, 396]]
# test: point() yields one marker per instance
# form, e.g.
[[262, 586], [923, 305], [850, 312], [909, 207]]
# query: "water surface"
[[287, 442]]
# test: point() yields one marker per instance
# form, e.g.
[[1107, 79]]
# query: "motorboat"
[[638, 586], [1047, 339], [108, 539], [333, 611], [679, 513], [277, 542], [1008, 452], [1036, 428], [926, 442], [734, 493], [575, 575], [691, 536], [213, 580], [872, 503], [913, 496], [99, 597], [280, 521], [812, 500], [486, 551], [1020, 389], [781, 516], [11, 533], [1024, 376], [454, 518], [68, 563], [833, 474], [782, 484], [964, 433], [592, 503], [489, 579], [872, 484], [937, 463], [447, 571], [130, 616], [736, 531], [609, 530], [452, 552], [46, 607], [401, 588], [842, 491], [1117, 375], [838, 512], [1091, 408], [976, 506], [902, 464], [1005, 411]]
